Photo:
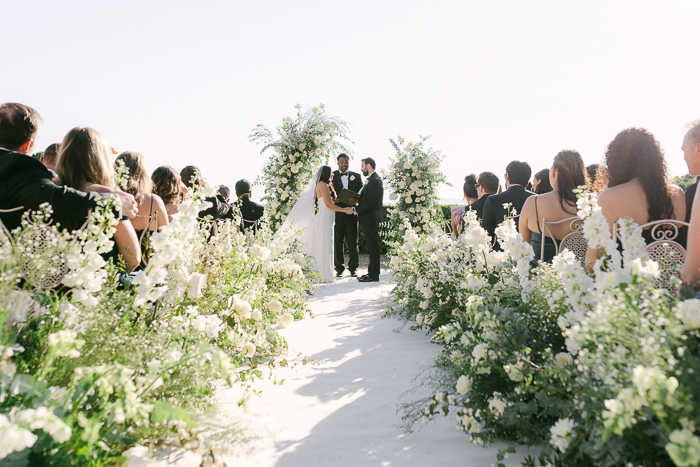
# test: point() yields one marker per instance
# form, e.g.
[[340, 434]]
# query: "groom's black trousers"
[[345, 229], [372, 237]]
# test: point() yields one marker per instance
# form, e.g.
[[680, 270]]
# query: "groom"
[[345, 224], [370, 212]]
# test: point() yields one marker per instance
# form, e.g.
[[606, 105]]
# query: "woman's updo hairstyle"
[[470, 186]]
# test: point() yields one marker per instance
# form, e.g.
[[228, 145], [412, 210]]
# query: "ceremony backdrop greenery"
[[301, 145]]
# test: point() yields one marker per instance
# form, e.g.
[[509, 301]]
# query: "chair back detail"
[[145, 238], [664, 249], [575, 242]]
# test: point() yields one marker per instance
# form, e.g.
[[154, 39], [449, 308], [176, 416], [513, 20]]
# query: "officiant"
[[345, 224]]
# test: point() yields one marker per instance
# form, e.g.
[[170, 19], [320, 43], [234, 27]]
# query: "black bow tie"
[[343, 174]]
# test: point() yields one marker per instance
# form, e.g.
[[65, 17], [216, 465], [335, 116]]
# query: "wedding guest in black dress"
[[251, 212], [517, 175], [346, 225], [638, 185], [85, 163], [567, 174], [27, 184]]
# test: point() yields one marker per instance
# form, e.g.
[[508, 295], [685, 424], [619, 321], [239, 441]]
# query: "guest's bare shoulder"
[[678, 200], [96, 188]]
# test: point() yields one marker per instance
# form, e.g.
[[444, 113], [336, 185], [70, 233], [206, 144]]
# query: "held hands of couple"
[[348, 211]]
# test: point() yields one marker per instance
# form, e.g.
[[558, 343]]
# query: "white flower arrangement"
[[303, 143]]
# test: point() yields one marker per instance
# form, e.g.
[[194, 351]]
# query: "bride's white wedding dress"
[[317, 239]]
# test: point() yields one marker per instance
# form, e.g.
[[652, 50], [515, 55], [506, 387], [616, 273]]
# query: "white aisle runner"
[[343, 412]]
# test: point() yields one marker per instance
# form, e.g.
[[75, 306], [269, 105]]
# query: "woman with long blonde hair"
[[85, 163]]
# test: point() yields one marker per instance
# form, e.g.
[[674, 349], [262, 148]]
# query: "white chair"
[[575, 242], [664, 249]]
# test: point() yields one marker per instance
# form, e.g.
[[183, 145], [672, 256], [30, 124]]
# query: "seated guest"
[[691, 153], [517, 175], [220, 209], [251, 212], [457, 212], [540, 182], [224, 192], [168, 186], [26, 183], [85, 163], [638, 186], [567, 174], [487, 185], [141, 186], [49, 157]]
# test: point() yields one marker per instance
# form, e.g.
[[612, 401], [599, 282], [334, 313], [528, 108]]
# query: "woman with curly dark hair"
[[638, 184]]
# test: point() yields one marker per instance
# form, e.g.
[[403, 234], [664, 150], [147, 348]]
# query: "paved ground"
[[343, 412]]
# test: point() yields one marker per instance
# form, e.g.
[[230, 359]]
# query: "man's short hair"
[[370, 161], [224, 191], [18, 124], [343, 155], [187, 173], [242, 187], [51, 152], [693, 134], [489, 181], [518, 173]]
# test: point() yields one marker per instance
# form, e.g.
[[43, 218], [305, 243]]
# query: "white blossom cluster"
[[303, 143], [413, 178]]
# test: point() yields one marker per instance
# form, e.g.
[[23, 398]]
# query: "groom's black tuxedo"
[[346, 225], [370, 212]]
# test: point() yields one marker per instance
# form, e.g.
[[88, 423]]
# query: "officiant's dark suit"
[[370, 212], [345, 228]]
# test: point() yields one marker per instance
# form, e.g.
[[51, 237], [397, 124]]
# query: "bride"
[[317, 239]]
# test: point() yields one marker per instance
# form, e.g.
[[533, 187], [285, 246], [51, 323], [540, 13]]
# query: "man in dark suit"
[[486, 185], [251, 212], [345, 228], [370, 211], [517, 175], [219, 209], [26, 183]]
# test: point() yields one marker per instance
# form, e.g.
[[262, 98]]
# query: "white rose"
[[480, 352], [315, 110], [319, 127], [393, 197], [274, 306], [322, 105], [195, 284], [689, 313], [267, 185], [302, 146], [497, 406], [463, 385], [286, 319], [352, 177], [408, 200], [411, 145], [278, 149], [318, 151], [563, 359], [287, 119], [298, 106], [242, 307], [260, 251], [295, 169], [250, 349]]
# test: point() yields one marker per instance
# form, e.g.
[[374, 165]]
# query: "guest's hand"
[[354, 200], [129, 206]]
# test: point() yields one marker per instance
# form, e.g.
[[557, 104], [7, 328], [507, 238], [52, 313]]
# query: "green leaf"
[[164, 411]]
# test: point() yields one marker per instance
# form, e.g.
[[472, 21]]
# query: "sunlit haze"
[[185, 82]]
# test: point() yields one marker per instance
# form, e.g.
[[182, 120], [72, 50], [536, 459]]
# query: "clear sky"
[[491, 81]]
